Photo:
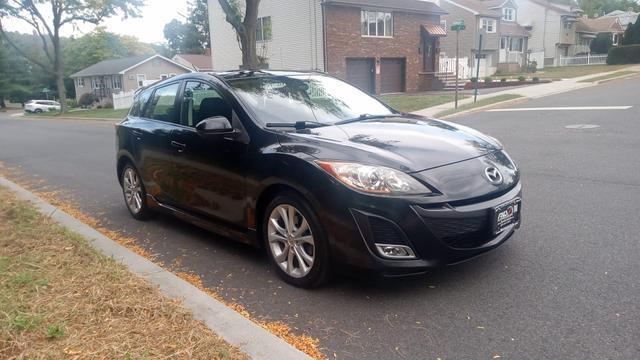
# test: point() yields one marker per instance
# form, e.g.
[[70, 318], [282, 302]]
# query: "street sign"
[[481, 56], [458, 26]]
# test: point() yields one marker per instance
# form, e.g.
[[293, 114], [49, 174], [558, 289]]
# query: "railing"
[[102, 92], [512, 57], [588, 59], [123, 100], [448, 65]]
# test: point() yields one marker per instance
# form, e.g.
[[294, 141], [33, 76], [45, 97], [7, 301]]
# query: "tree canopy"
[[191, 36]]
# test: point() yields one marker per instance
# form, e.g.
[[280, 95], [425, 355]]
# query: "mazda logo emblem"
[[493, 175]]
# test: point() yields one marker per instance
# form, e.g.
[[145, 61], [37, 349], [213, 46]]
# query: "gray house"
[[124, 75], [504, 40]]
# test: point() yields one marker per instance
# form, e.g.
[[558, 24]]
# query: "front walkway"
[[531, 92]]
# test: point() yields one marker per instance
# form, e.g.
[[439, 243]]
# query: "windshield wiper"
[[364, 117], [298, 125]]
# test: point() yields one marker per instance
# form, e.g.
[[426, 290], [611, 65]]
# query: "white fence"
[[448, 65], [123, 100], [588, 59]]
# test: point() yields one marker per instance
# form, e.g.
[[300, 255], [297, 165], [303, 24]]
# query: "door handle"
[[137, 134], [179, 146]]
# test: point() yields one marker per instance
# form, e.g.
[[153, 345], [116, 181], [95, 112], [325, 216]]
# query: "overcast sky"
[[148, 28]]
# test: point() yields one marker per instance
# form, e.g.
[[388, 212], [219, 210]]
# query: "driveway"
[[566, 286]]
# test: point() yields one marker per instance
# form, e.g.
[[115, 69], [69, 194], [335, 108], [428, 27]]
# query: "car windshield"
[[305, 98]]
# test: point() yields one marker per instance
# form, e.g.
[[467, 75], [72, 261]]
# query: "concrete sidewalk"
[[531, 92]]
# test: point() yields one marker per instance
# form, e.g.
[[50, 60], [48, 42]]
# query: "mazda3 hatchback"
[[319, 173]]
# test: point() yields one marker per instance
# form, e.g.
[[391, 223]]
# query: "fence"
[[599, 59], [123, 100], [448, 65]]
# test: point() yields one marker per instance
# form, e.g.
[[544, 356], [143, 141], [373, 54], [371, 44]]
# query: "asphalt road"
[[566, 286]]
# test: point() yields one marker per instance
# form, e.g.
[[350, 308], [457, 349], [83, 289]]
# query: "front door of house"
[[428, 53]]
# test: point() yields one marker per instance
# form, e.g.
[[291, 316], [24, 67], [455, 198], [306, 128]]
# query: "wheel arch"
[[123, 159]]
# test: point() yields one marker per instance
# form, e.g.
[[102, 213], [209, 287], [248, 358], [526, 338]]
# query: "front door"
[[428, 53], [211, 168]]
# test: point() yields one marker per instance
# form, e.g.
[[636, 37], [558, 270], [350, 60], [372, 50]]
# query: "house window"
[[376, 23], [585, 42], [512, 44], [567, 25], [263, 29], [140, 79], [96, 83], [488, 25], [509, 14], [117, 82], [443, 23], [615, 39], [81, 82]]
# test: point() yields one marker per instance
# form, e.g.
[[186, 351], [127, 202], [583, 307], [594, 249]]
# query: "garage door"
[[392, 75], [360, 72]]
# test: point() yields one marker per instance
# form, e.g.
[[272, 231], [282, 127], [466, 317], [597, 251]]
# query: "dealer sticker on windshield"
[[506, 214]]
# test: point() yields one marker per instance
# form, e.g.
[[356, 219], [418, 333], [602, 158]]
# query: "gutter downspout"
[[324, 39]]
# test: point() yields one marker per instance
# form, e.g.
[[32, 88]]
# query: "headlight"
[[374, 179]]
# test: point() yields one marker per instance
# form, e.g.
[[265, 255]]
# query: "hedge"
[[626, 54]]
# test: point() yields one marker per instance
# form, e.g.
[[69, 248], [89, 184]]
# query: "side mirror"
[[215, 125]]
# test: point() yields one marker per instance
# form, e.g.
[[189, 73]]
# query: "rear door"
[[211, 168], [151, 131]]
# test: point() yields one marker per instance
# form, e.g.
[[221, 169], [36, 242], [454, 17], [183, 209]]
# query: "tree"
[[602, 43], [191, 37], [47, 18], [596, 8], [245, 27], [632, 34]]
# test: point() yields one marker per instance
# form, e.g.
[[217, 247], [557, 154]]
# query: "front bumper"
[[439, 234]]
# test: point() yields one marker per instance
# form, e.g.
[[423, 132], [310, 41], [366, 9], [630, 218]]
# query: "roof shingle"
[[112, 66]]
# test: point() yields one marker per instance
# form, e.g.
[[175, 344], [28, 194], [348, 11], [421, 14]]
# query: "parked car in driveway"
[[38, 106], [321, 174]]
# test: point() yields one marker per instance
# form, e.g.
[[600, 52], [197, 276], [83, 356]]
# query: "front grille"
[[464, 233], [384, 232]]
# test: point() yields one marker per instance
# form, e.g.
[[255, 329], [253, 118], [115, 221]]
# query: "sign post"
[[478, 56], [457, 27]]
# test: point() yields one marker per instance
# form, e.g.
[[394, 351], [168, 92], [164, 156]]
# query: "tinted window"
[[139, 102], [202, 101], [162, 104]]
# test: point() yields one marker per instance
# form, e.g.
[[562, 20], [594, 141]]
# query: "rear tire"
[[37, 111], [296, 241], [135, 195]]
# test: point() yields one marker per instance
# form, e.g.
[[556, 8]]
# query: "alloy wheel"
[[291, 241], [132, 190]]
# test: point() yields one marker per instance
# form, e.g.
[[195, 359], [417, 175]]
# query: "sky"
[[148, 28]]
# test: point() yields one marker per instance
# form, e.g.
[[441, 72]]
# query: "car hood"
[[407, 143]]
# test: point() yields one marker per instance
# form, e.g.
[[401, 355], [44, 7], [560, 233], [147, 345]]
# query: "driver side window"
[[202, 101]]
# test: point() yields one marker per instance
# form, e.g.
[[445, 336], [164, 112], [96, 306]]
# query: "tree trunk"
[[2, 104], [248, 38], [59, 66]]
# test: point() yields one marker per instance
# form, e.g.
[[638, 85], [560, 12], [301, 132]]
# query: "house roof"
[[625, 17], [119, 66], [561, 8], [402, 5], [599, 25], [198, 61], [478, 7], [510, 28], [435, 29]]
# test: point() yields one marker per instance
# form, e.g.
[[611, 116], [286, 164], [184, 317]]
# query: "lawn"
[[479, 103], [61, 299], [565, 72], [90, 114], [413, 102], [609, 76]]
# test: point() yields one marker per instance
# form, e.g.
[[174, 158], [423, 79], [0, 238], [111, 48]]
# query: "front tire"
[[37, 111], [135, 195], [296, 241]]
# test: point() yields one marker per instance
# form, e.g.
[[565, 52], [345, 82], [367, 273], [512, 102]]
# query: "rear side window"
[[162, 104], [202, 101], [139, 103]]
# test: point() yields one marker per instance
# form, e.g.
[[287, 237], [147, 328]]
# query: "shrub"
[[532, 67], [108, 105], [522, 78], [86, 99], [536, 79], [601, 44], [473, 79], [72, 103], [503, 80], [626, 54], [488, 80]]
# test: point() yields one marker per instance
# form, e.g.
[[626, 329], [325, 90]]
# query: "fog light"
[[392, 251]]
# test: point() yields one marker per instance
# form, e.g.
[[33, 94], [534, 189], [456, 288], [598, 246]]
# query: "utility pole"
[[457, 27], [478, 56]]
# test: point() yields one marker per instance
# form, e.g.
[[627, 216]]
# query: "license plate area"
[[505, 215]]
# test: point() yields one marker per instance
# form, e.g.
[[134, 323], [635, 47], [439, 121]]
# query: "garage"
[[361, 73], [392, 75]]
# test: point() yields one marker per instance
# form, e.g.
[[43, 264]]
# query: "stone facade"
[[344, 40]]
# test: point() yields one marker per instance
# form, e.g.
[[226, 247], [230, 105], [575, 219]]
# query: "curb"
[[234, 328], [480, 108], [66, 118], [617, 78]]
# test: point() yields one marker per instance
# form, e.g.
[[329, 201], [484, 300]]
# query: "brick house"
[[382, 46]]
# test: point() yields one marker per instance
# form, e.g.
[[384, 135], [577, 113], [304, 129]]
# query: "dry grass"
[[61, 299], [303, 342]]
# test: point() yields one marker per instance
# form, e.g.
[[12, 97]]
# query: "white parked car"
[[38, 106]]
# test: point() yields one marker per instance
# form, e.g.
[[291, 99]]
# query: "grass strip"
[[609, 76], [409, 103], [479, 103], [89, 114], [59, 298]]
